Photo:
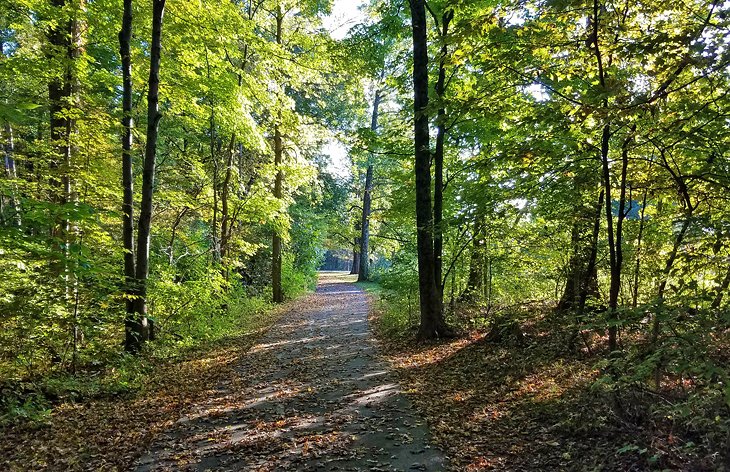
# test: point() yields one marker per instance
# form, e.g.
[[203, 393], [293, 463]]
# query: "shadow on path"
[[311, 395]]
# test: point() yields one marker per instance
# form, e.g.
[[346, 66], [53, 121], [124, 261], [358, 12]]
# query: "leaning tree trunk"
[[364, 272], [678, 240], [125, 37], [433, 324], [140, 332]]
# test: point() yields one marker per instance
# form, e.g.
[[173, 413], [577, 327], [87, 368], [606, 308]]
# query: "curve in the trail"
[[311, 395]]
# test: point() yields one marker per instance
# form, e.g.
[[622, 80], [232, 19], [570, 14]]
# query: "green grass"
[[396, 315], [371, 287]]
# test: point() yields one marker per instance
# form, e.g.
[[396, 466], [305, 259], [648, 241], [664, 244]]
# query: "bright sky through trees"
[[345, 14]]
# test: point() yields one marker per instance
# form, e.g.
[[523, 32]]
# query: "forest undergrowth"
[[86, 427], [522, 390]]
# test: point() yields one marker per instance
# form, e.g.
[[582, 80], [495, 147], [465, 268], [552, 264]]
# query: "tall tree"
[[276, 243], [139, 332], [432, 324], [125, 38], [438, 154], [364, 272], [12, 174], [65, 48]]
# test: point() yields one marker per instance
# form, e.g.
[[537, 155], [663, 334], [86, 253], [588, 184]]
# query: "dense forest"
[[535, 194]]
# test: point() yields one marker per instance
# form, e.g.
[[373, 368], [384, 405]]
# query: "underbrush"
[[526, 378], [105, 420], [194, 319]]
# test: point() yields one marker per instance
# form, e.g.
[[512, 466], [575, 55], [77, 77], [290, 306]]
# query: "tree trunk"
[[721, 289], [225, 192], [364, 269], [474, 283], [438, 159], [618, 250], [125, 37], [59, 96], [214, 162], [587, 288], [11, 173], [10, 170], [689, 212], [356, 250], [614, 241], [278, 294], [63, 38], [667, 270], [637, 267], [173, 236], [140, 332], [575, 270], [581, 275], [432, 324], [65, 47]]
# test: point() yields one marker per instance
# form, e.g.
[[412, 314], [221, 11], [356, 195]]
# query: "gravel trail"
[[312, 394]]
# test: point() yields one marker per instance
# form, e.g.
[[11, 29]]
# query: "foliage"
[[225, 85]]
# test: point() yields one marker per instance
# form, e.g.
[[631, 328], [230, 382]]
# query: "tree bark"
[[637, 267], [356, 250], [586, 288], [475, 280], [65, 42], [278, 294], [139, 332], [581, 275], [11, 173], [432, 324], [667, 270], [364, 271], [225, 192], [277, 291], [438, 159], [721, 289], [125, 37]]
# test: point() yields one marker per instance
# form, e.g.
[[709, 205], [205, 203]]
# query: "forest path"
[[310, 395]]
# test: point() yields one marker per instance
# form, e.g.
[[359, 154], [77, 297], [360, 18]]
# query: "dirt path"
[[311, 395]]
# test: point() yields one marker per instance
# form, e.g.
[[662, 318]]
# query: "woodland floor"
[[303, 390], [526, 403], [310, 388]]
